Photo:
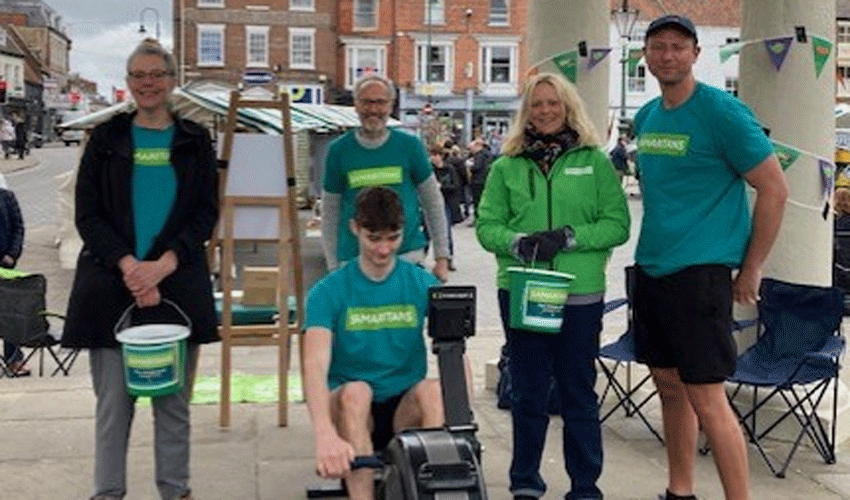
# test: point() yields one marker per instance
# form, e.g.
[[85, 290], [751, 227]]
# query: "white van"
[[69, 136]]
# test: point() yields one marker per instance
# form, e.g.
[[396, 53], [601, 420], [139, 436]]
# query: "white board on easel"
[[257, 167]]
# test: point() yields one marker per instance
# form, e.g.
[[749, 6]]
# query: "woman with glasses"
[[146, 201]]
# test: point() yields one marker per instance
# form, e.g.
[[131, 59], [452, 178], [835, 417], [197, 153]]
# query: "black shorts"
[[683, 320], [383, 414]]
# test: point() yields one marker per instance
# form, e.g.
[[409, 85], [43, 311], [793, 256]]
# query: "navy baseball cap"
[[674, 21]]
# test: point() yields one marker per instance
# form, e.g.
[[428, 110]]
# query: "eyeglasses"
[[153, 75], [373, 102]]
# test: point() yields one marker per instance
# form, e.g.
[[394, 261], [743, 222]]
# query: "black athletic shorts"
[[683, 320], [382, 421]]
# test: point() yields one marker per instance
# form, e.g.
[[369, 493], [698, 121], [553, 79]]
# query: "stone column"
[[556, 27], [798, 107]]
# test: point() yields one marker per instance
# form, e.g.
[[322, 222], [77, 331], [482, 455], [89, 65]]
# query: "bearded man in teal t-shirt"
[[698, 147], [365, 356]]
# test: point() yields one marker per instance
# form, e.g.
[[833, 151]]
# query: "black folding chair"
[[795, 358], [622, 353], [23, 321]]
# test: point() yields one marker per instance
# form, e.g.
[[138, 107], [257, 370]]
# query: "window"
[[211, 3], [362, 60], [211, 45], [843, 32], [301, 43], [301, 5], [843, 72], [499, 12], [732, 39], [498, 64], [636, 81], [437, 60], [365, 14], [435, 12], [731, 85], [257, 45]]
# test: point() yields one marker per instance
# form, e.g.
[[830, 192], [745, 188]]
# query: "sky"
[[104, 32]]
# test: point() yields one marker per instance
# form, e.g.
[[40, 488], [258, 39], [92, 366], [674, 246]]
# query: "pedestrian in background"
[[478, 166], [449, 182], [375, 155], [7, 136], [21, 135], [146, 201], [698, 148], [553, 198], [11, 246]]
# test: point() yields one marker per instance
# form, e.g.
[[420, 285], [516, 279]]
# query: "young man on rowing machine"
[[365, 355]]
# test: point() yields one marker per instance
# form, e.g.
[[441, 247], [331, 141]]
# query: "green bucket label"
[[543, 305], [152, 367]]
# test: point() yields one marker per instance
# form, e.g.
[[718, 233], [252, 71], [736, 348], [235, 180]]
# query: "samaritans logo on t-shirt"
[[664, 144], [151, 156], [381, 317], [378, 176]]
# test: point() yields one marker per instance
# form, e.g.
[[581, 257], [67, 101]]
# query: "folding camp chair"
[[795, 357], [23, 321], [622, 353]]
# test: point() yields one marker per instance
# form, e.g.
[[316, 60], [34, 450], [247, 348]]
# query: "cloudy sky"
[[104, 32]]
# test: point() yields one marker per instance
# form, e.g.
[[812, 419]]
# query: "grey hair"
[[151, 47], [373, 78]]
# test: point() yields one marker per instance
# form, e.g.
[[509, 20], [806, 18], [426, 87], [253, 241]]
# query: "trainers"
[[669, 496]]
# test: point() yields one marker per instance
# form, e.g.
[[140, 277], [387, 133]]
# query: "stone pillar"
[[798, 107], [555, 28]]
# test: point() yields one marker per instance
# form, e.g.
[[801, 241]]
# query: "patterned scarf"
[[544, 149]]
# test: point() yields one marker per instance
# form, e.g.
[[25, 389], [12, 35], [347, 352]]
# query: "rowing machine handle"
[[367, 462]]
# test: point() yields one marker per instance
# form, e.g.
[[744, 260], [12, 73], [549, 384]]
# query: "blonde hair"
[[576, 116], [375, 78], [151, 47]]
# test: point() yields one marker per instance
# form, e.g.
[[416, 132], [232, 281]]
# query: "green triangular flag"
[[729, 50], [821, 48], [568, 64], [786, 155], [635, 55]]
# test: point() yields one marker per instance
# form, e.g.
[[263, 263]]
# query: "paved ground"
[[46, 424]]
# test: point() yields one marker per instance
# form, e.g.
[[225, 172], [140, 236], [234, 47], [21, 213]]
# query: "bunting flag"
[[778, 48], [635, 55], [821, 47], [596, 56], [567, 62], [785, 154], [729, 50]]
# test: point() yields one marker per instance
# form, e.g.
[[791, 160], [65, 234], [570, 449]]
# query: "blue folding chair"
[[622, 353], [795, 357]]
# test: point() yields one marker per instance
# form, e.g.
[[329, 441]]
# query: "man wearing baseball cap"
[[698, 147]]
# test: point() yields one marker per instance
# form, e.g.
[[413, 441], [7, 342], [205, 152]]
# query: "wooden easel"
[[288, 259]]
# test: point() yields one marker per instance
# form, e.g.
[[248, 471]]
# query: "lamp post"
[[142, 20], [624, 19]]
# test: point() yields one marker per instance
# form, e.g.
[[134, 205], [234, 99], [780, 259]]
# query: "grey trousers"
[[114, 416]]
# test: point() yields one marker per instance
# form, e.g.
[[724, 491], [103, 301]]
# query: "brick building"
[[274, 44], [464, 59]]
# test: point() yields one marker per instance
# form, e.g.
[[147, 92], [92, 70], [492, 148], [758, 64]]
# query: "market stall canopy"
[[201, 103]]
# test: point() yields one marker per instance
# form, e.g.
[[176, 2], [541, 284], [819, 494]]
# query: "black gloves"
[[544, 245]]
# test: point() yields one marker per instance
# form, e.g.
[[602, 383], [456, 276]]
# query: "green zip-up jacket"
[[581, 191]]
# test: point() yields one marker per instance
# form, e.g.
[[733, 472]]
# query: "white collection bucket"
[[154, 355]]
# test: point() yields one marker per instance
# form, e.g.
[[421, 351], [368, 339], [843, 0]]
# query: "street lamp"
[[142, 20], [624, 19]]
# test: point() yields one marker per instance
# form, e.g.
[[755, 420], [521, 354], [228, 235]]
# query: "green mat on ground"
[[244, 388]]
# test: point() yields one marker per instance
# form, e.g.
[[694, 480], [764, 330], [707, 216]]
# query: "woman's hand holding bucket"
[[142, 277]]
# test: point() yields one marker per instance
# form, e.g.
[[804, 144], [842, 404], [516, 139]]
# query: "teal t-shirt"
[[377, 326], [691, 159], [400, 163], [154, 184]]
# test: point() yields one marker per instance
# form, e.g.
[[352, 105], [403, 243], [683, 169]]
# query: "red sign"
[[2, 84], [75, 96], [119, 95]]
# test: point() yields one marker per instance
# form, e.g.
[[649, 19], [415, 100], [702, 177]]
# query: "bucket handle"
[[125, 316]]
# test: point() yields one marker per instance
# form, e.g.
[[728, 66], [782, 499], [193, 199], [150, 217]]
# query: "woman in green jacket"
[[553, 201]]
